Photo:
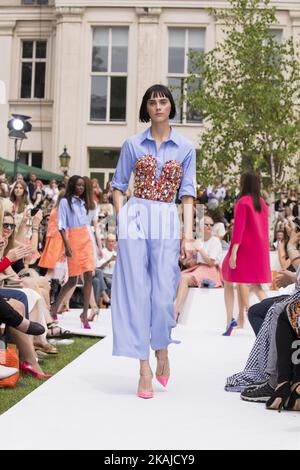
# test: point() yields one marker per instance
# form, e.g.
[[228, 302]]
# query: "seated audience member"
[[282, 251], [105, 208], [38, 287], [38, 195], [21, 203], [97, 191], [205, 271], [17, 331], [219, 229], [100, 287], [108, 260], [293, 197], [279, 237], [32, 185], [12, 313], [259, 379], [288, 215], [5, 202], [52, 193]]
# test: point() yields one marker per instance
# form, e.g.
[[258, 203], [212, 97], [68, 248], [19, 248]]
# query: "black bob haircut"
[[155, 91]]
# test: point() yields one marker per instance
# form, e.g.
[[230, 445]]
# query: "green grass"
[[50, 365]]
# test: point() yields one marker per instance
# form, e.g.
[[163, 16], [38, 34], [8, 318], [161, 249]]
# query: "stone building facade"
[[79, 69]]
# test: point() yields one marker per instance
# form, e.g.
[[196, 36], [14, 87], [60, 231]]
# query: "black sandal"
[[62, 334], [279, 398], [294, 400]]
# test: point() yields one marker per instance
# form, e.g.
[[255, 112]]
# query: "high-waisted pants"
[[145, 278]]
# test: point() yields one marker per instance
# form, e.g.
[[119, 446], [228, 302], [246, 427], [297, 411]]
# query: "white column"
[[68, 93], [149, 50], [6, 39], [295, 17]]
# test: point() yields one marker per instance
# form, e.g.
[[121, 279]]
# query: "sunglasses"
[[11, 226], [209, 225]]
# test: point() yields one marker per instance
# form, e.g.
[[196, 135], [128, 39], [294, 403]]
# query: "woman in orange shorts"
[[73, 222]]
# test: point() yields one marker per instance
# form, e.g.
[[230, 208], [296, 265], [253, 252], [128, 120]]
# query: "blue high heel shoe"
[[232, 325]]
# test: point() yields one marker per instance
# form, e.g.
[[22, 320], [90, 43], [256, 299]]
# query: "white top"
[[219, 229], [276, 266], [108, 208], [92, 216], [213, 249], [51, 193], [109, 268]]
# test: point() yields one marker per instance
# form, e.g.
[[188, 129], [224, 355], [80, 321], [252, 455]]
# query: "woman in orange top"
[[54, 248]]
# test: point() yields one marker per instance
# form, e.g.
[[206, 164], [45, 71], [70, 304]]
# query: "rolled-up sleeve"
[[188, 182], [62, 214], [124, 168]]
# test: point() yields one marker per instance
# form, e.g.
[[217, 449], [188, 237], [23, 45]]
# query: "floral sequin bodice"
[[147, 186]]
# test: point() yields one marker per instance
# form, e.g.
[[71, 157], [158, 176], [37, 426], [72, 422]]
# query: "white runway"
[[91, 404]]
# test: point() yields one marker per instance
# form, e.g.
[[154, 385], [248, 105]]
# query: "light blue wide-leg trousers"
[[145, 278]]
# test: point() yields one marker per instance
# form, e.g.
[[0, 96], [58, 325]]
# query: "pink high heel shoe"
[[164, 377], [85, 326], [95, 314], [145, 394], [27, 369]]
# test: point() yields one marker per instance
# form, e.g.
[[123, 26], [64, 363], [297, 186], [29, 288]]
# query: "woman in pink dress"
[[248, 260]]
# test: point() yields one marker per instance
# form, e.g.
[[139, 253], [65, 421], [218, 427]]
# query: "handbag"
[[293, 313], [9, 357]]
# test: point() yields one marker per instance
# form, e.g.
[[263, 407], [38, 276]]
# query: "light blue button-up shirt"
[[77, 217], [176, 147]]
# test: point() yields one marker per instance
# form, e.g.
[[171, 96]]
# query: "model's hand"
[[68, 252], [284, 278], [232, 261]]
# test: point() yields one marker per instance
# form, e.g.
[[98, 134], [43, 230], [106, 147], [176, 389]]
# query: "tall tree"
[[249, 95]]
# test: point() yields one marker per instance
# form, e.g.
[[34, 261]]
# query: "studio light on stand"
[[18, 127]]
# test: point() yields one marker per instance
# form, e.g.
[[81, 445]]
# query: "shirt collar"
[[75, 200], [173, 137]]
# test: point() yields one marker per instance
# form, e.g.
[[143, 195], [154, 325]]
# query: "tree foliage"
[[249, 96]]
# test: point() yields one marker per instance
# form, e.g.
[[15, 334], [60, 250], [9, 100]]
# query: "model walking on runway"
[[248, 260], [147, 273], [73, 223]]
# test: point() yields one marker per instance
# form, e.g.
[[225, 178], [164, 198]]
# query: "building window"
[[277, 35], [33, 75], [109, 74], [35, 2], [102, 162], [32, 159], [181, 42]]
